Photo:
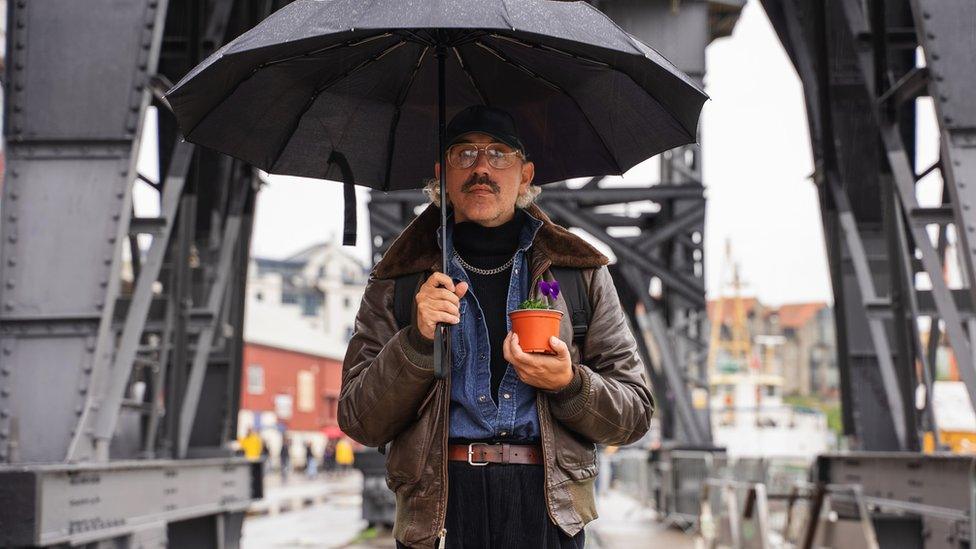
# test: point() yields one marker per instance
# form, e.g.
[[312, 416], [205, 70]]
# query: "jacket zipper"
[[442, 533]]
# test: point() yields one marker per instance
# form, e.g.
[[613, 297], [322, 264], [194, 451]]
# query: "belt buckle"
[[471, 453]]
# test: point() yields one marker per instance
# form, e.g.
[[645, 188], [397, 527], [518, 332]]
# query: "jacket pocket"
[[575, 456], [407, 455]]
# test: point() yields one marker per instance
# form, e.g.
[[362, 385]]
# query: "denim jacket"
[[473, 412]]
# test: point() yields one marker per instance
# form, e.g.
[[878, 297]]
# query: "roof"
[[797, 315], [284, 327]]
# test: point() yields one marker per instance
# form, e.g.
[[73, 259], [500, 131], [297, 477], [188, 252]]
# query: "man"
[[501, 453]]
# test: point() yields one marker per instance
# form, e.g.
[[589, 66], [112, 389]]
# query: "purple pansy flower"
[[549, 289]]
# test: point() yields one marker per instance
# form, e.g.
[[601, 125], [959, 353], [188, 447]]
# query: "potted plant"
[[535, 321]]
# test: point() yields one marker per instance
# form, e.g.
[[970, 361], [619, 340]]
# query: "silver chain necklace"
[[495, 270]]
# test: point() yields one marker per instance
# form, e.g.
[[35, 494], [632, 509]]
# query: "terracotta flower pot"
[[534, 327]]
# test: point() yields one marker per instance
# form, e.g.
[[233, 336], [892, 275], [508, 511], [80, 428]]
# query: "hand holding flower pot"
[[535, 321]]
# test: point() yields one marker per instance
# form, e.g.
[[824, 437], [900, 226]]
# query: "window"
[[306, 391], [283, 406], [255, 379]]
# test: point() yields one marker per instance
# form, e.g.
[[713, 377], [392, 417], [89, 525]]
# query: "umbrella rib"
[[474, 82], [311, 100], [346, 44], [401, 97], [558, 88], [551, 49]]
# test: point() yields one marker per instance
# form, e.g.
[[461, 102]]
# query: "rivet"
[[7, 351], [926, 15], [935, 56], [119, 195], [14, 173], [99, 305], [108, 261], [82, 389], [10, 284], [8, 307], [12, 217], [4, 392], [11, 262], [4, 413], [14, 195], [12, 238], [111, 240]]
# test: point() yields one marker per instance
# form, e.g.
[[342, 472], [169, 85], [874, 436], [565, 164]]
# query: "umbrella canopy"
[[321, 79]]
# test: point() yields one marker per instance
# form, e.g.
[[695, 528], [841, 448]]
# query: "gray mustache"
[[480, 179]]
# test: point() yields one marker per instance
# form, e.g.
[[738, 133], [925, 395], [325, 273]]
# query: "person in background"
[[252, 445], [344, 456], [265, 458], [311, 462], [284, 458], [329, 458]]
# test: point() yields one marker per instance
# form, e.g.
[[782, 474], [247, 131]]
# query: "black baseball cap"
[[484, 119]]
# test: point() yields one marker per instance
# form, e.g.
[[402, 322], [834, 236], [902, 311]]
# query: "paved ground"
[[327, 514]]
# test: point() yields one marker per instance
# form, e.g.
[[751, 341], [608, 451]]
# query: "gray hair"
[[432, 188]]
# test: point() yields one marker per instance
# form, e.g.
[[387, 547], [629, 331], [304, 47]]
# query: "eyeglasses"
[[465, 155]]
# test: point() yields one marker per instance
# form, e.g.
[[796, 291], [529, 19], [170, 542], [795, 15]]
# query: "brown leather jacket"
[[389, 392]]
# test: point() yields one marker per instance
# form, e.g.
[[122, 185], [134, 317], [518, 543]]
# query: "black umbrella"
[[358, 90]]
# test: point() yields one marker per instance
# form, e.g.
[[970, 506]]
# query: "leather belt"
[[483, 453]]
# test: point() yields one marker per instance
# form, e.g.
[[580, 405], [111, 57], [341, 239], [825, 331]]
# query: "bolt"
[[4, 412], [10, 284], [4, 393], [14, 173], [12, 238], [7, 351], [926, 15], [14, 195], [82, 389], [12, 217], [108, 261], [11, 262], [111, 240]]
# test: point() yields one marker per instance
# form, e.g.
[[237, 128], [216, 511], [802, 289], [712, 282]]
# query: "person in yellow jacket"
[[343, 454], [252, 445]]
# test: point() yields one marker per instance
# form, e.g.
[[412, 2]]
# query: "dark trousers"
[[500, 506]]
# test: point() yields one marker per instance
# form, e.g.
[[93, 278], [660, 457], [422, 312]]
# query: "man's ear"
[[528, 174], [437, 170]]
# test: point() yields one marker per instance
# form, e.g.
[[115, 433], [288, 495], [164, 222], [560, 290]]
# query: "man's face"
[[482, 193]]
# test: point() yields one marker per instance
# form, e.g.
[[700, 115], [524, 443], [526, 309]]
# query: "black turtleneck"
[[487, 248]]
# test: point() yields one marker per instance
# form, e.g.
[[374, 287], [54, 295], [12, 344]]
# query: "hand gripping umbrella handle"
[[442, 350]]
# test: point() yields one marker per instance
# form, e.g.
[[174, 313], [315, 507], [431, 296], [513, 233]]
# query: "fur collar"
[[416, 249]]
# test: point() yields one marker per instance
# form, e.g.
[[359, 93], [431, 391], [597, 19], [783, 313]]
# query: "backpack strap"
[[574, 291], [404, 291]]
